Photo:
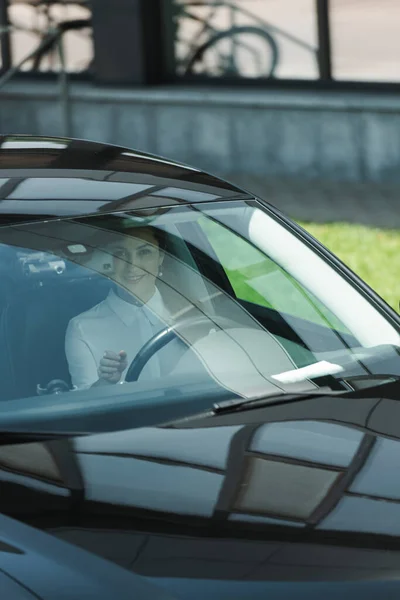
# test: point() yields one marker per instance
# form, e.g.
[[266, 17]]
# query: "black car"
[[198, 400]]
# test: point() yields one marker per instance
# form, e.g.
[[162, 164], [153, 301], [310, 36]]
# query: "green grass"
[[256, 278], [374, 254]]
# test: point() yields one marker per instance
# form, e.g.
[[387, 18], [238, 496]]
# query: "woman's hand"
[[112, 366]]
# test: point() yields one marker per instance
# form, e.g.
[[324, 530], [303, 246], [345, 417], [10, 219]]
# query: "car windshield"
[[223, 290]]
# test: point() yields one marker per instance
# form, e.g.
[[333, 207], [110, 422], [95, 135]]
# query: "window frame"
[[278, 321], [368, 293]]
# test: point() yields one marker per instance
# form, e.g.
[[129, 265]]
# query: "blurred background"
[[298, 101]]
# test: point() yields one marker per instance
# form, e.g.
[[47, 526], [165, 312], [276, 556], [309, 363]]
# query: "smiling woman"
[[137, 259]]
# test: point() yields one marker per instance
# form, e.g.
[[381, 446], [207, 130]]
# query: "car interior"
[[43, 289]]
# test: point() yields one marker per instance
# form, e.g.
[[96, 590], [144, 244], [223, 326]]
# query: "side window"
[[258, 279]]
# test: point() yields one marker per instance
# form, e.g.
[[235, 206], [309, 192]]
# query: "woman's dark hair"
[[159, 234], [126, 226]]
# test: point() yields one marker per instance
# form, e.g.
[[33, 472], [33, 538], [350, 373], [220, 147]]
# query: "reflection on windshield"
[[218, 289]]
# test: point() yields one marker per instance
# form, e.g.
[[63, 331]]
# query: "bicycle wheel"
[[244, 51]]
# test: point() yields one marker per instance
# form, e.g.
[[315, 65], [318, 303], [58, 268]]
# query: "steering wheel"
[[166, 335]]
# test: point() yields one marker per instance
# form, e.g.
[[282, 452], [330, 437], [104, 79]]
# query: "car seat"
[[33, 325]]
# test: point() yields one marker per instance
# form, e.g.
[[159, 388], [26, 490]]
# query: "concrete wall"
[[330, 136]]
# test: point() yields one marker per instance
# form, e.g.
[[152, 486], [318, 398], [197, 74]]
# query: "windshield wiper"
[[352, 386], [249, 403], [25, 437]]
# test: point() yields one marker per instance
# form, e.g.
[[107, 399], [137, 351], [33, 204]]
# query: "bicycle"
[[256, 41]]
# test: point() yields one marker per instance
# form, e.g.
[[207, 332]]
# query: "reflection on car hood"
[[239, 505], [34, 565]]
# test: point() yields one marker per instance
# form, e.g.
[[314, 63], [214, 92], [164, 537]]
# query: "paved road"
[[321, 201]]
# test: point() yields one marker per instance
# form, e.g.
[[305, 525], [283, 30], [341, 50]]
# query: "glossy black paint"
[[297, 500], [169, 503], [55, 177]]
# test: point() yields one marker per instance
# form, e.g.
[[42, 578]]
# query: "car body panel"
[[48, 568], [312, 498]]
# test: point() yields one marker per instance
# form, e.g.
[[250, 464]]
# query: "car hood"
[[34, 565], [304, 496]]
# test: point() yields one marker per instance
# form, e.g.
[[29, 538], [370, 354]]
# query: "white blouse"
[[114, 325]]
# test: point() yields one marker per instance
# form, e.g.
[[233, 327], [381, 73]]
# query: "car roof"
[[53, 177]]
